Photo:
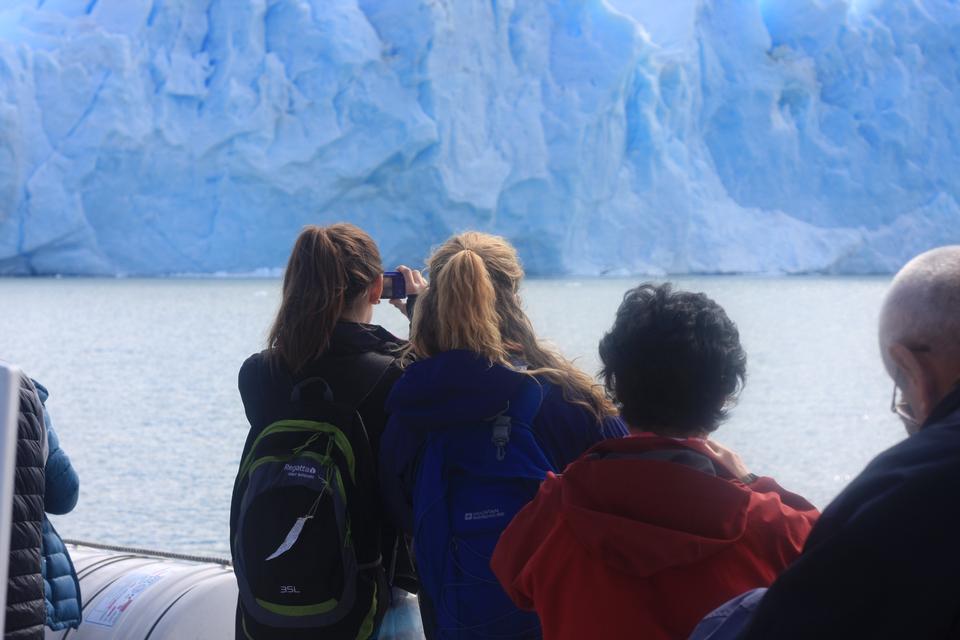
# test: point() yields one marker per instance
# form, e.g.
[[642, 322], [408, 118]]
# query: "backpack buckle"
[[501, 435]]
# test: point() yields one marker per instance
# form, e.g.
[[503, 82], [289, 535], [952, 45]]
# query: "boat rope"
[[150, 552]]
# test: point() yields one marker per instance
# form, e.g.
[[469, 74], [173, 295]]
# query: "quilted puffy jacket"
[[26, 609], [61, 490]]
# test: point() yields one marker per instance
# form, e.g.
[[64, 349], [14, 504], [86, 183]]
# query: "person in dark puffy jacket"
[[61, 491], [26, 609]]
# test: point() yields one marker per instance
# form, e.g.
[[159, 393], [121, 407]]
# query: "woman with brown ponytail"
[[323, 330], [476, 355]]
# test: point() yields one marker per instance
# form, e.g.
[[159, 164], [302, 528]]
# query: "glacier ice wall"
[[168, 136]]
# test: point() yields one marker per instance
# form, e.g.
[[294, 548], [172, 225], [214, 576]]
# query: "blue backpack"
[[471, 480]]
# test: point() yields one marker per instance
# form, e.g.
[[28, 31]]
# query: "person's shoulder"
[[255, 365], [357, 338], [256, 372], [386, 359], [41, 391], [931, 453], [388, 343], [613, 427], [368, 345], [393, 372], [552, 394], [384, 372], [30, 426], [29, 397], [256, 360], [557, 404], [911, 480], [556, 409]]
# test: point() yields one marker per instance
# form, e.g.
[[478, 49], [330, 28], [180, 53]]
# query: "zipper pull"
[[501, 436]]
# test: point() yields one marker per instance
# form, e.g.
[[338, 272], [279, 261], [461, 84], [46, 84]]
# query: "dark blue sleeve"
[[62, 484], [398, 453], [614, 427], [566, 430], [727, 621]]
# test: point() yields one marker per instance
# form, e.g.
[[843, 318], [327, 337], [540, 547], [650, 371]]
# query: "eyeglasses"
[[902, 409]]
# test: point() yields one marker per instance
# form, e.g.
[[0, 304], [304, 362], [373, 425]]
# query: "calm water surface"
[[142, 376]]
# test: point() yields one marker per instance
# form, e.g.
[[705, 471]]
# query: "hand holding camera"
[[402, 283]]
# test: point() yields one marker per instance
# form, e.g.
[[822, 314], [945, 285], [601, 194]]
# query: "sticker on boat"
[[120, 596]]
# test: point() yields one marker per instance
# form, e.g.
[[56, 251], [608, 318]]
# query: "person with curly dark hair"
[[673, 361], [643, 535]]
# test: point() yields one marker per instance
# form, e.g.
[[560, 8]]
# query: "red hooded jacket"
[[643, 536]]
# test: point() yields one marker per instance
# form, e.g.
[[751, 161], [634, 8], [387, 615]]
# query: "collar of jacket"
[[452, 387], [948, 405], [350, 338]]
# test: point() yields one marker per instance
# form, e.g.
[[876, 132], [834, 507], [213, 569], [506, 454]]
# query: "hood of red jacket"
[[645, 515]]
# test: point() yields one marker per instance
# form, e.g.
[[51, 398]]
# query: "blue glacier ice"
[[617, 136]]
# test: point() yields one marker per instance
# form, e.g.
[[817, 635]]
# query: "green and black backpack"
[[307, 542]]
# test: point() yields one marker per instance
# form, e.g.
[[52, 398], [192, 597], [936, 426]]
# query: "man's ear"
[[916, 380], [376, 288]]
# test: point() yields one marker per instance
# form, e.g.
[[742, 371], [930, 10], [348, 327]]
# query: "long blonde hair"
[[473, 303]]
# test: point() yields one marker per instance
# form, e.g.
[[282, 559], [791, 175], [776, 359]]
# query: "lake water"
[[142, 375]]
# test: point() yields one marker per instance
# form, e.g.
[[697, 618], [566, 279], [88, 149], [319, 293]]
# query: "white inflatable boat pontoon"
[[137, 594]]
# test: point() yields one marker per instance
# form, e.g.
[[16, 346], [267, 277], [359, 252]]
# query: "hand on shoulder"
[[731, 460]]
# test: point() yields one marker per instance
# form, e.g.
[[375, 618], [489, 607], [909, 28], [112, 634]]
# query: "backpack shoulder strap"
[[356, 377], [371, 367], [525, 403]]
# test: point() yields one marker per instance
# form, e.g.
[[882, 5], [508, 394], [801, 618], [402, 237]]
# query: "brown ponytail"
[[329, 268]]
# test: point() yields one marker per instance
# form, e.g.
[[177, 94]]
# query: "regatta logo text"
[[486, 514], [300, 470]]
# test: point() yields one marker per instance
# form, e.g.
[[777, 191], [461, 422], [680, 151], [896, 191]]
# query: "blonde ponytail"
[[473, 303], [459, 310]]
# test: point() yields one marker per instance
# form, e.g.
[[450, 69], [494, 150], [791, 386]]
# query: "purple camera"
[[394, 286]]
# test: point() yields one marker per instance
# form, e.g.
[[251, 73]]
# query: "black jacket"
[[883, 560], [357, 379], [265, 389], [26, 606]]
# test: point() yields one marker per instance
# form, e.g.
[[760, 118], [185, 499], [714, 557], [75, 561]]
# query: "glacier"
[[151, 137]]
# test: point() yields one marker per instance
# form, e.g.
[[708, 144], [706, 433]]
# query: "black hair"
[[672, 362]]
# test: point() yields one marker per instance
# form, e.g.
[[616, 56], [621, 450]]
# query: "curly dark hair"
[[672, 361]]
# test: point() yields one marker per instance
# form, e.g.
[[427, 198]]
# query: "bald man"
[[920, 335], [884, 559]]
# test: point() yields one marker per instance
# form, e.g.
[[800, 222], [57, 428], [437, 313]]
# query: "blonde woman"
[[475, 424]]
